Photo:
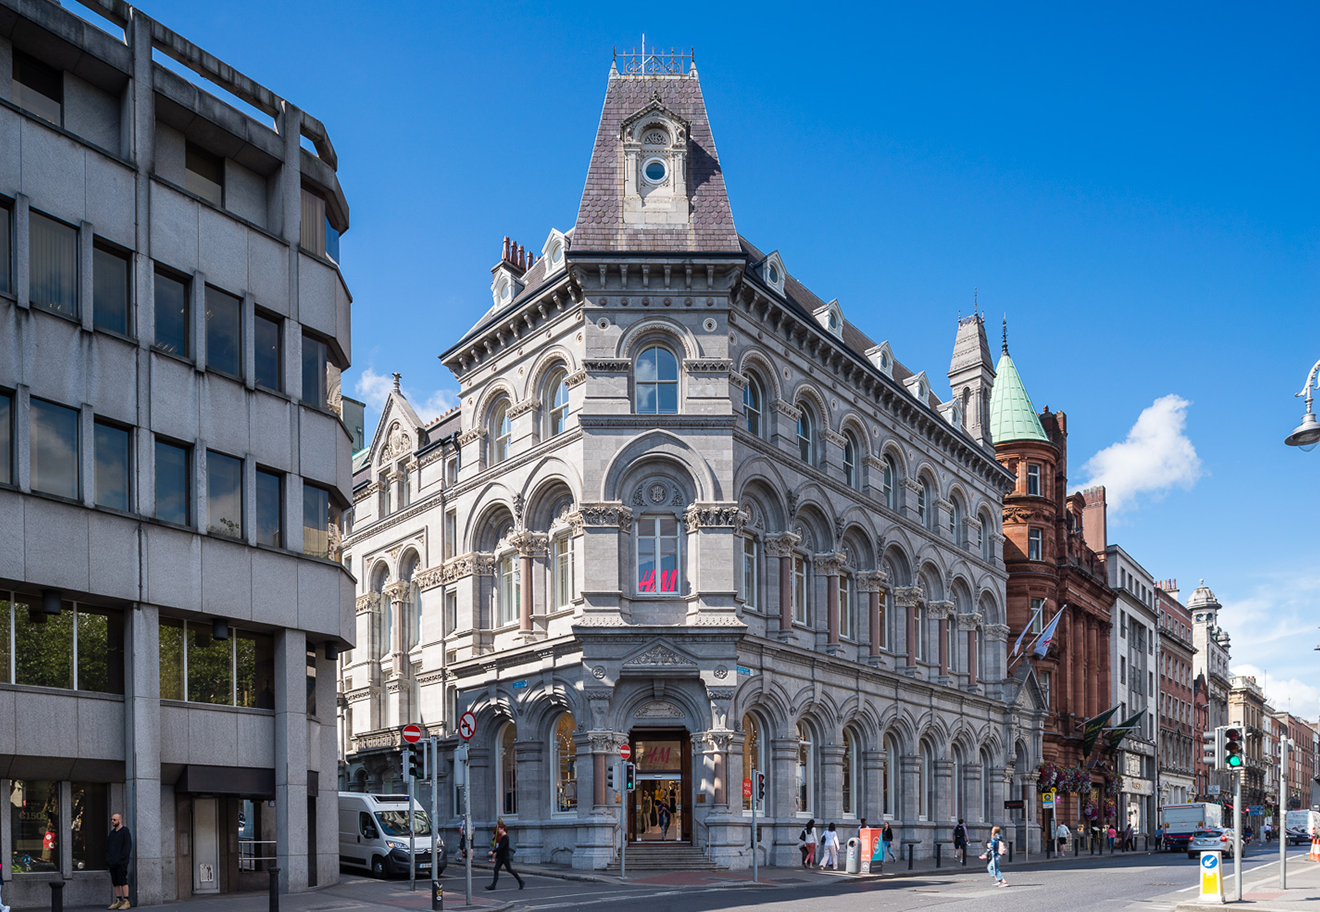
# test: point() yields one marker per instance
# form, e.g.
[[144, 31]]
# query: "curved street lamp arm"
[[1312, 382]]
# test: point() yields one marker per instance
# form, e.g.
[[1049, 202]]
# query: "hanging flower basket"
[[1090, 810]]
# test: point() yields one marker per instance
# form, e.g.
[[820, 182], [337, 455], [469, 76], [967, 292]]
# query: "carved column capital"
[[871, 580], [907, 596], [829, 563], [781, 544]]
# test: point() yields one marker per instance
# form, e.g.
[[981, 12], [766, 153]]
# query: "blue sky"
[[1135, 188]]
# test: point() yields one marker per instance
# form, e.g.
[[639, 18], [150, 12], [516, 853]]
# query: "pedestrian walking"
[[887, 837], [1111, 835], [500, 854], [665, 818], [993, 850], [1061, 833], [809, 840], [1129, 838], [118, 851], [830, 848], [960, 841]]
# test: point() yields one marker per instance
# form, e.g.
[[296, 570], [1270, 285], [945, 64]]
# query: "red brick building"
[[1180, 738], [1051, 568]]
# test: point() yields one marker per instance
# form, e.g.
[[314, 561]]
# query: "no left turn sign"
[[467, 726]]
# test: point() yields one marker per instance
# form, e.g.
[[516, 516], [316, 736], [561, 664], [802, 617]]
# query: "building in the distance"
[[1212, 681], [693, 508], [1179, 737], [1132, 656], [1247, 708], [1301, 760], [172, 464]]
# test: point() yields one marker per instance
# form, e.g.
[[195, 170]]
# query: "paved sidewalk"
[[1260, 889]]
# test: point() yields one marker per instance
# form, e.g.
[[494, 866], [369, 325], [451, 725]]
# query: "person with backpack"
[[808, 840], [993, 850], [960, 841]]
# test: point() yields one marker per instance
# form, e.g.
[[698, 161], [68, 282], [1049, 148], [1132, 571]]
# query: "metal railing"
[[256, 854]]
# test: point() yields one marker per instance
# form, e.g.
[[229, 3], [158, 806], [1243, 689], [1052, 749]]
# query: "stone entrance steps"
[[644, 858]]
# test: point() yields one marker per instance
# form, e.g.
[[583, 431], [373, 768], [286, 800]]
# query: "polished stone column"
[[830, 565], [779, 546]]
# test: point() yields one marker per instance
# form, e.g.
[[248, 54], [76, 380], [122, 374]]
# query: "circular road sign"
[[625, 751], [1210, 860], [467, 726], [412, 733]]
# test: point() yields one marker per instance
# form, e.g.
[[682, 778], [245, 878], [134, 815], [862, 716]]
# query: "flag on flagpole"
[[1091, 730], [1119, 732], [1046, 638], [1030, 623]]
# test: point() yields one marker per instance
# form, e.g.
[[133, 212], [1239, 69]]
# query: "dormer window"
[[772, 274], [655, 171], [655, 148]]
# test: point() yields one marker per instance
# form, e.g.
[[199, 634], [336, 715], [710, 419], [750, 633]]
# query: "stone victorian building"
[[1211, 683], [685, 504], [1053, 568]]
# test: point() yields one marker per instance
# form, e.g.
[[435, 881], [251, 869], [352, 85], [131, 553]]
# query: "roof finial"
[[974, 307], [1005, 333], [397, 377]]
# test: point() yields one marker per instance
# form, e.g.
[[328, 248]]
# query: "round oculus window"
[[774, 275], [655, 171]]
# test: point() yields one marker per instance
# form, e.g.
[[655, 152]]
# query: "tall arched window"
[[556, 402], [506, 771], [752, 406], [957, 795], [849, 774], [564, 765], [799, 588], [846, 603], [919, 631], [510, 588], [751, 753], [926, 505], [890, 483], [849, 459], [501, 432], [891, 780], [412, 606], [657, 382], [805, 777], [956, 523], [806, 434], [983, 537], [926, 788], [750, 580], [657, 555], [985, 785]]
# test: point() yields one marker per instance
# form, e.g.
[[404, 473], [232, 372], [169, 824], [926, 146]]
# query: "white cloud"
[[373, 389], [1289, 694], [1156, 455]]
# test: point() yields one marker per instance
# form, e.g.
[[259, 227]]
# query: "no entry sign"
[[625, 751], [467, 726], [412, 733]]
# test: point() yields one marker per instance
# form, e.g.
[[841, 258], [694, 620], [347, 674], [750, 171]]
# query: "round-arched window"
[[501, 430], [804, 778], [557, 401], [565, 765], [751, 752], [507, 771], [850, 459], [657, 382], [806, 435], [891, 489], [752, 406]]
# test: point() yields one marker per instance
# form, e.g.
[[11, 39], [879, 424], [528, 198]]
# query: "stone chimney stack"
[[1095, 528]]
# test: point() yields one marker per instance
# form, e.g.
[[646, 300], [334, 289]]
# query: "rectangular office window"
[[313, 371], [34, 825], [54, 449], [316, 521], [254, 660], [205, 174], [451, 533], [173, 491], [1037, 615], [270, 509], [110, 290], [6, 249], [311, 235], [38, 88], [53, 265], [6, 438], [112, 466], [311, 680], [210, 667], [171, 660], [224, 495], [267, 350], [172, 315], [91, 823], [224, 332], [1034, 550], [100, 650]]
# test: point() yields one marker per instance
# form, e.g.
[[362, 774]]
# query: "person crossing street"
[[501, 854]]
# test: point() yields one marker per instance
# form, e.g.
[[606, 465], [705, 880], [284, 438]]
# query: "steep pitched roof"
[[1012, 416], [600, 217]]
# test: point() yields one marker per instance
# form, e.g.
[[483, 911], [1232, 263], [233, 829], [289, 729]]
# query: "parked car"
[[1297, 836], [1210, 840]]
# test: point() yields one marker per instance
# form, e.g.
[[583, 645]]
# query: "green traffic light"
[[1234, 760]]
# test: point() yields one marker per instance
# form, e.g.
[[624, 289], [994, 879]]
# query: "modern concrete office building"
[[172, 327], [687, 505]]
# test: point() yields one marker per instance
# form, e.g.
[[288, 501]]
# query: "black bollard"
[[57, 896], [1010, 853], [437, 897], [964, 856], [909, 848], [1077, 847], [274, 889], [938, 846]]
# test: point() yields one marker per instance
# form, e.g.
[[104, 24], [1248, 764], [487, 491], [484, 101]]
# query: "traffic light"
[[1210, 749], [758, 784], [609, 775], [416, 762], [629, 776], [1233, 759]]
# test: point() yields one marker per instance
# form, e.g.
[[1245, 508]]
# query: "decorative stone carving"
[[522, 408], [607, 365], [792, 499], [396, 592], [430, 577], [737, 379], [518, 504], [969, 621], [610, 514], [368, 602], [658, 709], [367, 492], [721, 693], [707, 365], [472, 564], [721, 672], [871, 580], [787, 409], [575, 379], [839, 526], [659, 655], [829, 563], [781, 544], [833, 437], [397, 443], [471, 436], [907, 596], [532, 544], [598, 672], [575, 521], [940, 609], [996, 632], [711, 515]]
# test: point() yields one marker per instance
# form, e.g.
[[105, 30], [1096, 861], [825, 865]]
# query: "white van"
[[373, 835]]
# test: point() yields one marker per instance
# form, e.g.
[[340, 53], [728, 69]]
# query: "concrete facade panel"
[[56, 544], [173, 397], [8, 721], [224, 419], [11, 150], [319, 598], [272, 436], [268, 274], [100, 729], [61, 351], [175, 744], [170, 154], [91, 113], [173, 571], [319, 435], [174, 232], [110, 205], [212, 734], [112, 372], [343, 314], [316, 295], [112, 548], [46, 724], [254, 745], [245, 193], [13, 555], [222, 251], [226, 578], [274, 588], [54, 174]]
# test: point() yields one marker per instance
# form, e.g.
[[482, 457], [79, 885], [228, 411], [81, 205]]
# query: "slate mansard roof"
[[600, 217]]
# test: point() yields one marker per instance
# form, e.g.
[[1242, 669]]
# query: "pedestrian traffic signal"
[[629, 776], [1233, 758], [416, 762], [758, 783], [609, 775]]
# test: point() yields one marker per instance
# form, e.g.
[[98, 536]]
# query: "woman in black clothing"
[[501, 856]]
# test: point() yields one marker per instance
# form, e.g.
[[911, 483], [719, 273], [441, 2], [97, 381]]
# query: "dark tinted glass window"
[[172, 315], [224, 495], [91, 823], [54, 449], [53, 260], [110, 290], [210, 667], [43, 646], [172, 496], [316, 521], [268, 360], [100, 650], [224, 332], [38, 88], [313, 371], [6, 250], [6, 438], [269, 509], [112, 472], [254, 656], [205, 174]]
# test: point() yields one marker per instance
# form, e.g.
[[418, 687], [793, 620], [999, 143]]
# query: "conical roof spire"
[[1012, 416]]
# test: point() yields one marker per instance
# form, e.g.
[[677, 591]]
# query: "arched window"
[[891, 483], [564, 764], [983, 537], [985, 785], [510, 588], [956, 523], [501, 432], [506, 771], [750, 579], [846, 603], [926, 505], [657, 555], [958, 795], [752, 406], [565, 577], [412, 606], [556, 402], [886, 617], [849, 774], [657, 382], [804, 778], [849, 459], [799, 588], [806, 434], [926, 788], [919, 631], [891, 779], [751, 753]]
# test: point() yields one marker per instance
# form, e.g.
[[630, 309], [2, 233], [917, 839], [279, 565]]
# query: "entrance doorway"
[[660, 808]]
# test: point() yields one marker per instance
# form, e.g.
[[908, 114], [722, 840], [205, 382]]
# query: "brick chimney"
[[1095, 529]]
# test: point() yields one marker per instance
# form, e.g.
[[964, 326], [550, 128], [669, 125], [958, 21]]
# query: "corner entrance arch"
[[663, 757]]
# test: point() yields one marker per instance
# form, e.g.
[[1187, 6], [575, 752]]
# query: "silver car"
[[1212, 840]]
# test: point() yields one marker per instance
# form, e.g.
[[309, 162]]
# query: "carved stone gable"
[[659, 655], [658, 709]]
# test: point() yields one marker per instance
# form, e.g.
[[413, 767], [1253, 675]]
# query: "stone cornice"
[[577, 378], [707, 365], [787, 409], [678, 422], [607, 366], [522, 408], [471, 436], [368, 602]]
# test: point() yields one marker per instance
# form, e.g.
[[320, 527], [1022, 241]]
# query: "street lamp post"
[[1307, 434]]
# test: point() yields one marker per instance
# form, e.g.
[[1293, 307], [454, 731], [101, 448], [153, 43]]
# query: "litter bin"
[[854, 861]]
